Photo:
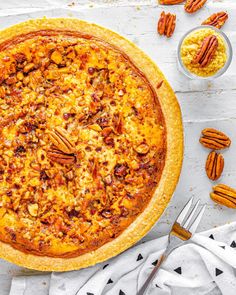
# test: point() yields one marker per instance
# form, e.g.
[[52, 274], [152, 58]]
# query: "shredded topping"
[[82, 143]]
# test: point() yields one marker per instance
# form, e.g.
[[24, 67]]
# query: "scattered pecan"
[[192, 6], [166, 24], [207, 51], [214, 165], [224, 195], [216, 19], [170, 2], [60, 157], [61, 139], [214, 139]]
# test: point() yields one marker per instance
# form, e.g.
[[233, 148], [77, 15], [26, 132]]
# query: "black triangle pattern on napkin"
[[233, 244], [140, 257], [121, 292], [223, 247], [157, 286], [218, 272], [178, 270], [211, 237], [88, 293], [155, 262], [110, 281], [105, 266]]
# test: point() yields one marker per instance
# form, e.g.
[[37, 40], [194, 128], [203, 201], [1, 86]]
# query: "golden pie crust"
[[91, 144]]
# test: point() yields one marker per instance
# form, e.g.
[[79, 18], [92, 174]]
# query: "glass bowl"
[[229, 53]]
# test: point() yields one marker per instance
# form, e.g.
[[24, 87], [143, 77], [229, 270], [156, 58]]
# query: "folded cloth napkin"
[[205, 265]]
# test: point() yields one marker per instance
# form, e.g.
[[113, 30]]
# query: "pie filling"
[[83, 143]]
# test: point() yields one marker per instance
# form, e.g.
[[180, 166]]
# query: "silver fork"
[[184, 227]]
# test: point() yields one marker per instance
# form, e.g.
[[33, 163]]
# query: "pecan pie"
[[91, 149]]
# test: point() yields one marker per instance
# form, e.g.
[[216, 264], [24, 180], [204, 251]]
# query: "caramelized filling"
[[82, 140]]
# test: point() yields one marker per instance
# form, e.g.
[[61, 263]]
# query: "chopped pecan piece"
[[216, 19], [224, 195], [106, 213], [56, 57], [214, 165], [61, 139], [192, 6], [118, 123], [28, 67], [60, 157], [107, 179], [166, 24], [33, 209], [121, 170], [170, 2], [159, 84], [69, 175], [207, 51], [214, 139], [143, 149]]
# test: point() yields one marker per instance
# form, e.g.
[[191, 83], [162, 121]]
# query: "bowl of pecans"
[[204, 52]]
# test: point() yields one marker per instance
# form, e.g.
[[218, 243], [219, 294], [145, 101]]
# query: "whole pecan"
[[207, 51], [166, 24], [61, 139], [60, 157], [214, 165], [170, 2], [192, 6], [216, 19], [214, 139], [224, 195]]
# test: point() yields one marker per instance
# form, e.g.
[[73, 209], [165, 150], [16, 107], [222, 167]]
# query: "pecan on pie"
[[90, 148]]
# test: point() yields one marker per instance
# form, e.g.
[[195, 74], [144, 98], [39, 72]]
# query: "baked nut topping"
[[83, 142], [216, 19]]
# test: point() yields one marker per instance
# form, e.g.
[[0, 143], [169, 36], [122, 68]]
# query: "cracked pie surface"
[[88, 161]]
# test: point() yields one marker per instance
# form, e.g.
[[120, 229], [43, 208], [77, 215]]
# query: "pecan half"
[[61, 139], [214, 165], [216, 19], [192, 6], [170, 2], [60, 157], [214, 139], [166, 24], [207, 51], [224, 195]]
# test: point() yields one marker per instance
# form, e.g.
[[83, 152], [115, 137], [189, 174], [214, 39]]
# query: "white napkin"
[[207, 263]]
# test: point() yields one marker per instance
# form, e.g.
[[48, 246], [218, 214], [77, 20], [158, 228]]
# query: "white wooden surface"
[[203, 104]]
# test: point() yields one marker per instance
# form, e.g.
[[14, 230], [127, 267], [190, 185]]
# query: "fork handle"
[[150, 278]]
